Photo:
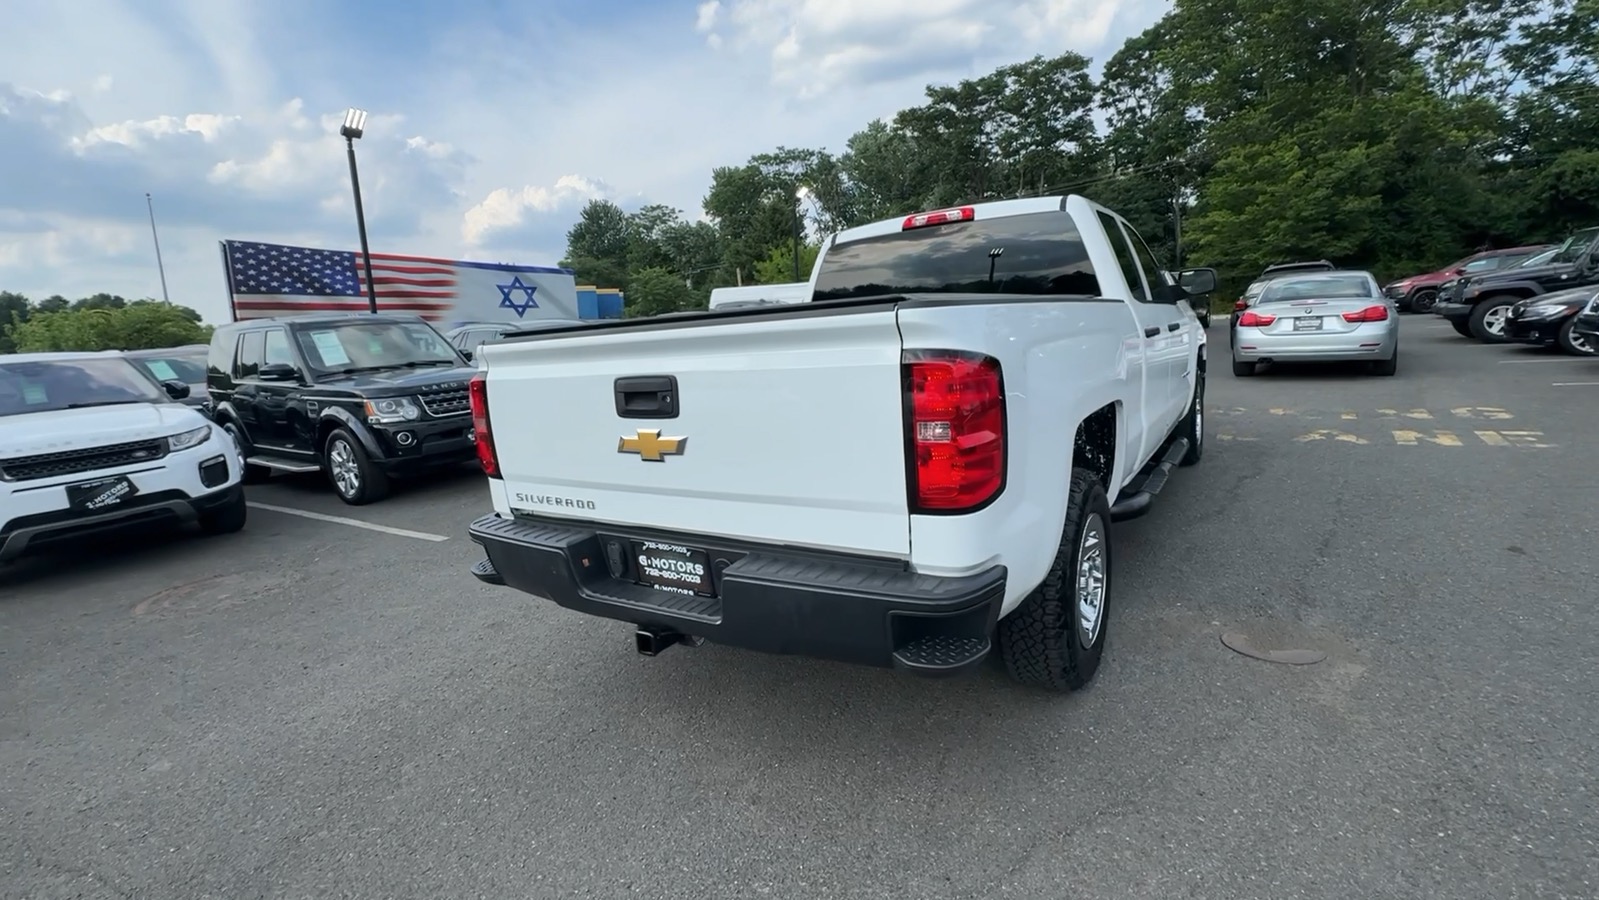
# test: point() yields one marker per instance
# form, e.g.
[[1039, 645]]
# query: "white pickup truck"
[[921, 463]]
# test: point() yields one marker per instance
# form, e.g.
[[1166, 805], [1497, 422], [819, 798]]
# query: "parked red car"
[[1419, 292]]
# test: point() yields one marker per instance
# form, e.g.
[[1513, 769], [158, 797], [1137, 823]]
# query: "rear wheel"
[[1488, 318], [1243, 369], [1423, 300], [1386, 366], [1055, 637], [1194, 424], [252, 474], [1574, 343]]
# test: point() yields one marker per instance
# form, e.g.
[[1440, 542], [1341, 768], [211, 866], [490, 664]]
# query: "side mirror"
[[177, 390], [1197, 281], [467, 354], [278, 372]]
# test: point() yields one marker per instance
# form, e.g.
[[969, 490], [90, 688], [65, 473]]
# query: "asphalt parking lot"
[[330, 705]]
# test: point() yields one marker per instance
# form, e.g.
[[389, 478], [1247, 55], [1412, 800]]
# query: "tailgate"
[[785, 430]]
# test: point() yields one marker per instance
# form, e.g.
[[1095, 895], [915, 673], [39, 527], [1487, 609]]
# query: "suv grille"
[[446, 403], [88, 459]]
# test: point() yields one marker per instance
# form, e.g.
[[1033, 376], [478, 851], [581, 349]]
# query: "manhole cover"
[[1241, 643]]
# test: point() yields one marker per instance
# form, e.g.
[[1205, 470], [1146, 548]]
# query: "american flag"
[[282, 280]]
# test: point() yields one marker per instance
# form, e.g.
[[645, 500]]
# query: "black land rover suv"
[[361, 397]]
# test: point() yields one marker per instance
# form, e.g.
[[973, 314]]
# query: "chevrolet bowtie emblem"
[[650, 446]]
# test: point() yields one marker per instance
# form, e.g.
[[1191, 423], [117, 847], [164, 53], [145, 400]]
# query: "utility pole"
[[150, 205], [1177, 228]]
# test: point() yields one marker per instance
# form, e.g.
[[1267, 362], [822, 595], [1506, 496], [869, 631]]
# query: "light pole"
[[354, 125], [800, 193], [150, 205], [994, 254]]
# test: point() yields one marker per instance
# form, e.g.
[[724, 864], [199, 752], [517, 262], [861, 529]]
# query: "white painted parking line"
[[1574, 384], [354, 523], [1569, 359]]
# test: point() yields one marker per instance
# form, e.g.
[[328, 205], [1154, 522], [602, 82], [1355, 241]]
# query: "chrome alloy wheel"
[[1091, 581], [1493, 321], [342, 466]]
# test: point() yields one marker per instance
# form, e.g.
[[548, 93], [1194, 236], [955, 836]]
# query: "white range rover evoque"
[[88, 443]]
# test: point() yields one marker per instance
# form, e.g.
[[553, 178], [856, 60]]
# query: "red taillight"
[[922, 220], [478, 392], [1240, 303], [956, 429], [1254, 319], [1377, 313]]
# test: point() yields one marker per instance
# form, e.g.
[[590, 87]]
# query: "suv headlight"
[[392, 410], [194, 437]]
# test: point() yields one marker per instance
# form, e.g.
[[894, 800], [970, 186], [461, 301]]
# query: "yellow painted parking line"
[[1322, 434], [1413, 438], [1481, 412]]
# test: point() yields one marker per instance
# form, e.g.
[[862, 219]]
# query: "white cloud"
[[507, 208]]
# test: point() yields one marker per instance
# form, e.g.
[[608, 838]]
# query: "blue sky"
[[491, 123]]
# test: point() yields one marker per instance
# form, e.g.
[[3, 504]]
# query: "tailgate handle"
[[647, 397]]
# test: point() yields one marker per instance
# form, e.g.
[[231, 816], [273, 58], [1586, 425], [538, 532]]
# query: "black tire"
[[1243, 369], [1572, 342], [343, 456], [1193, 427], [228, 519], [1461, 326], [1484, 309], [1387, 366], [1042, 641], [1423, 300], [252, 474]]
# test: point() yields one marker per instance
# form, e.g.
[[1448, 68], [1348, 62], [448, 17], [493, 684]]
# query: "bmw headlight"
[[194, 437], [392, 411]]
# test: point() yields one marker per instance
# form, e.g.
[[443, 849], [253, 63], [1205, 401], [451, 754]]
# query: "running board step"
[[279, 464], [941, 654], [485, 572], [1137, 502]]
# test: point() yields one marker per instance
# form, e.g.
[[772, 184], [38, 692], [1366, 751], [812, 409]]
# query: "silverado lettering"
[[547, 500]]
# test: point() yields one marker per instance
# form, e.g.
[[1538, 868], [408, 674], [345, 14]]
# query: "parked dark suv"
[[1479, 306], [360, 397]]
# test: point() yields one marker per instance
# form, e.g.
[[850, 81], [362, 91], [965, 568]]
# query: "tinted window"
[[188, 368], [1482, 265], [277, 349], [29, 387], [1152, 267], [1124, 257], [1324, 287], [1040, 254], [251, 349]]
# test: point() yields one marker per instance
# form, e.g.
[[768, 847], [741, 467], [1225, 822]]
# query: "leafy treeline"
[[100, 322], [1394, 135]]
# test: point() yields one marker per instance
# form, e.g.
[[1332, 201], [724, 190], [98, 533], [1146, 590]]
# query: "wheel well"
[[1512, 293], [1094, 448], [323, 429]]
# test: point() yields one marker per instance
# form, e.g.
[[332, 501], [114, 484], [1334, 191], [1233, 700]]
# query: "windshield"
[[45, 386], [376, 345], [1575, 246], [1035, 254], [188, 368], [1345, 285], [1538, 260]]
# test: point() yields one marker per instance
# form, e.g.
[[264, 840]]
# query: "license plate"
[[673, 568], [98, 496], [1307, 323]]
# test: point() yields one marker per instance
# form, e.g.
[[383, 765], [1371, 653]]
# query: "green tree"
[[14, 310], [778, 265], [137, 326], [655, 291]]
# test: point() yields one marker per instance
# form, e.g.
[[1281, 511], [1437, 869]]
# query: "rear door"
[[783, 430]]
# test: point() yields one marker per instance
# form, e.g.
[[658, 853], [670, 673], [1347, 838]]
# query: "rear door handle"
[[1152, 331], [1173, 326]]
